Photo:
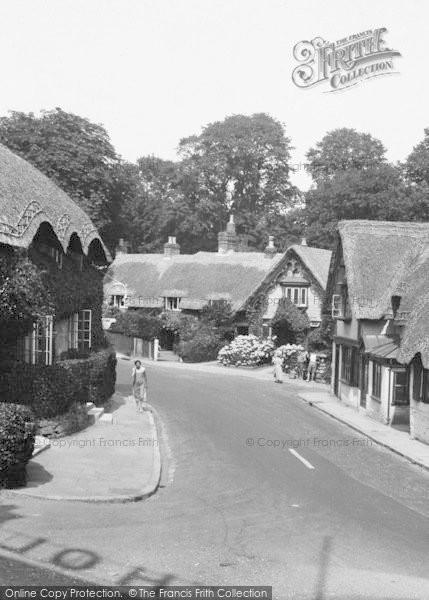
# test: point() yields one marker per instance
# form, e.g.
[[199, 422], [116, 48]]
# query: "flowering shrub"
[[289, 354], [246, 351]]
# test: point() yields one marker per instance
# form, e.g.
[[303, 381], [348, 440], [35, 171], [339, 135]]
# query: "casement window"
[[297, 295], [266, 331], [172, 303], [117, 300], [340, 305], [80, 325], [36, 348], [376, 380], [350, 366]]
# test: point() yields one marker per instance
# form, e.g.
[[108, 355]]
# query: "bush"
[[289, 354], [204, 346], [73, 354], [17, 431], [137, 323], [246, 350], [55, 389]]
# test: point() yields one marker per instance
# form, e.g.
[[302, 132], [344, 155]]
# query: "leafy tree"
[[344, 149], [416, 166], [137, 323], [239, 165], [72, 151], [377, 194], [219, 317]]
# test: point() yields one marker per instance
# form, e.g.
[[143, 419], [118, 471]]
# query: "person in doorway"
[[278, 368], [139, 385], [312, 366]]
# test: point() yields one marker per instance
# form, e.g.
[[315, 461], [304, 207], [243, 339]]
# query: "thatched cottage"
[[186, 282], [41, 220], [377, 293]]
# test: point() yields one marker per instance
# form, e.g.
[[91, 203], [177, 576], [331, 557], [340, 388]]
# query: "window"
[[80, 325], [418, 380], [117, 300], [350, 366], [36, 347], [420, 383], [400, 388], [172, 303], [296, 295], [340, 305], [376, 380]]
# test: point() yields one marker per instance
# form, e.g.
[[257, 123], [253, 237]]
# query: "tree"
[[289, 323], [342, 150], [416, 166], [378, 194], [72, 151], [238, 165], [354, 181]]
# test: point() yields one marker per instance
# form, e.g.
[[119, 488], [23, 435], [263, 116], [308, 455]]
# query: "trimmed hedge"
[[203, 347], [55, 389], [17, 432]]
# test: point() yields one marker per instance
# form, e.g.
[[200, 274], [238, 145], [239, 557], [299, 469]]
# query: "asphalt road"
[[339, 518]]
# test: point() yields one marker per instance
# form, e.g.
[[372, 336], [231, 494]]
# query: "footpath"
[[116, 461], [319, 396]]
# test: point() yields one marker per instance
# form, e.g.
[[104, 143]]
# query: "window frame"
[[172, 303], [36, 348], [350, 365], [377, 377]]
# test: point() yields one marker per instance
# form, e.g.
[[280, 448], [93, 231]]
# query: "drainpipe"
[[388, 396]]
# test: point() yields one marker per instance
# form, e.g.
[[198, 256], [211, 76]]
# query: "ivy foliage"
[[24, 297]]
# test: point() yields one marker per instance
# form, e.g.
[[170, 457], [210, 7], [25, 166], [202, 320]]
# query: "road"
[[337, 518]]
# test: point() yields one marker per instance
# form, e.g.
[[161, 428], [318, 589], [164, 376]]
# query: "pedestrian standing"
[[300, 363], [312, 366], [139, 378], [278, 368]]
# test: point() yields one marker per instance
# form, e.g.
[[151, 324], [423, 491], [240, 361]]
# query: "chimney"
[[270, 250], [171, 248], [303, 241], [227, 240], [122, 247]]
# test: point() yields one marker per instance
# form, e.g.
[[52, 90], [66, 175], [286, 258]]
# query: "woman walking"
[[139, 385]]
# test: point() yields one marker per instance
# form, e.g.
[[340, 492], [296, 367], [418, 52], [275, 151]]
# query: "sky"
[[154, 71]]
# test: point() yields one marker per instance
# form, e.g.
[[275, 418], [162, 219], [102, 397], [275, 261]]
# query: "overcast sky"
[[153, 71]]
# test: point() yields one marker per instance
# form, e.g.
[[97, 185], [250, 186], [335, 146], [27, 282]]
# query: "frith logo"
[[344, 63]]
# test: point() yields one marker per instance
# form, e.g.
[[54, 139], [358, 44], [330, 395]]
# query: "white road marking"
[[301, 458]]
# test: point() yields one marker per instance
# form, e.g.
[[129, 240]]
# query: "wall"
[[419, 421]]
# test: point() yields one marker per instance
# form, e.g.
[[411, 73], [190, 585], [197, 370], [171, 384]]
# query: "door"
[[363, 381]]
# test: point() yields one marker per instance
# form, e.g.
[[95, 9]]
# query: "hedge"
[[17, 432], [53, 390], [203, 347]]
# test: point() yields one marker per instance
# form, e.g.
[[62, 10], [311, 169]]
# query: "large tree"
[[73, 152], [344, 149], [238, 165]]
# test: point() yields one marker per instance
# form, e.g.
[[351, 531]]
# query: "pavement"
[[399, 442], [106, 462]]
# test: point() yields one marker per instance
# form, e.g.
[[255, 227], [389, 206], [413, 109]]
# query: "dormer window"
[[55, 253], [172, 303], [297, 295]]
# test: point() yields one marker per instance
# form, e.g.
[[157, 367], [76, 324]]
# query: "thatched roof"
[[28, 198], [384, 260], [377, 256], [317, 261], [196, 278]]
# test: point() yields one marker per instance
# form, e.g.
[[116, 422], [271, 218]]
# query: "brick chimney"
[[227, 240], [171, 248], [270, 250]]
